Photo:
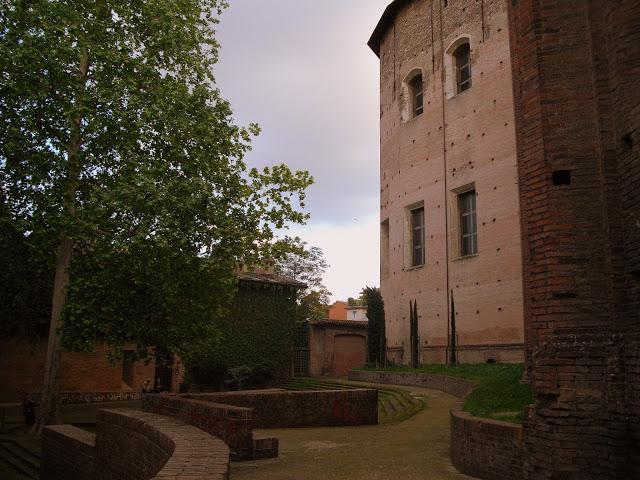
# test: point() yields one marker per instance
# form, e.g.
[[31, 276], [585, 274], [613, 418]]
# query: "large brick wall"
[[318, 408], [133, 445], [22, 370], [460, 140], [577, 102], [484, 448]]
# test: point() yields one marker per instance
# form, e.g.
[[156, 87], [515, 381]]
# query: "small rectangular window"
[[417, 94], [417, 237], [463, 67], [468, 223]]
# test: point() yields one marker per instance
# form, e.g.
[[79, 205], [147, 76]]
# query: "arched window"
[[462, 57], [416, 89]]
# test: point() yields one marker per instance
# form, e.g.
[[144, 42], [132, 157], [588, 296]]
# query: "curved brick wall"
[[453, 386], [484, 448], [133, 445], [308, 408]]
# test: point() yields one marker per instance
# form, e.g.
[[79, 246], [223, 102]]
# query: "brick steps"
[[19, 459]]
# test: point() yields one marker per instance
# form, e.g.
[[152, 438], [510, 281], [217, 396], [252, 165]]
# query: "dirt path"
[[412, 450]]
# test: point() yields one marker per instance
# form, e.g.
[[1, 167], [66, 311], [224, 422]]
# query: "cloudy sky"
[[302, 70]]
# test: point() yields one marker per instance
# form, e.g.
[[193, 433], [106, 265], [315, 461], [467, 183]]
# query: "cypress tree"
[[452, 351]]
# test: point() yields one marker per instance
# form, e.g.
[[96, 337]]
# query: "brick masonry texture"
[[132, 445], [82, 374], [576, 66], [67, 452], [485, 448], [232, 416], [453, 386], [460, 140], [234, 425], [286, 409]]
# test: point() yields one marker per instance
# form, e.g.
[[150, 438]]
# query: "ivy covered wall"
[[256, 344]]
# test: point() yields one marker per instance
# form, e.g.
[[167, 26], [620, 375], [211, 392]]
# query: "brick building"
[[577, 77], [574, 68], [449, 204], [264, 307]]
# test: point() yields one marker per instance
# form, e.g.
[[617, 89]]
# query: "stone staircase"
[[18, 460]]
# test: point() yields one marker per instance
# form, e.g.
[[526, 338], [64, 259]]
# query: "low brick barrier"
[[234, 425], [307, 408], [133, 445], [66, 398], [232, 416], [67, 452], [484, 448], [457, 387]]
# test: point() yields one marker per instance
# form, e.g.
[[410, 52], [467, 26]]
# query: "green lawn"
[[499, 393]]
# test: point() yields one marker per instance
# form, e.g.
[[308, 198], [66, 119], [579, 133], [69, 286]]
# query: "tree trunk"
[[49, 403]]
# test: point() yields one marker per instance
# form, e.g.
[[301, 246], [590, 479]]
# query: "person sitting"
[[147, 387]]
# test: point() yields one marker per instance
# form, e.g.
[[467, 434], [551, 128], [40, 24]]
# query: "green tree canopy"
[[307, 264], [120, 164]]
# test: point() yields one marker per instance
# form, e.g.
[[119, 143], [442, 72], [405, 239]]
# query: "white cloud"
[[352, 251]]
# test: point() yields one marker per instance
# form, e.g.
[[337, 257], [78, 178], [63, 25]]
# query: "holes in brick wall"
[[564, 295], [636, 275], [628, 141], [561, 177], [491, 360]]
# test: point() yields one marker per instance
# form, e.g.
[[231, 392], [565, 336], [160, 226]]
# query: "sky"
[[301, 69]]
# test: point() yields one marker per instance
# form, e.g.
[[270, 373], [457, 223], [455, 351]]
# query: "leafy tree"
[[377, 333], [120, 164], [307, 265], [361, 301]]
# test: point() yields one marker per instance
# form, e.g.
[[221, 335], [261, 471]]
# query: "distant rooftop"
[[268, 278]]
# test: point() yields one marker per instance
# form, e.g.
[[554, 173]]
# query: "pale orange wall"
[[476, 132], [338, 311]]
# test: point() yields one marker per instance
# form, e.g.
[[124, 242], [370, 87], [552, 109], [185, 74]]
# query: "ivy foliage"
[[256, 340], [115, 141]]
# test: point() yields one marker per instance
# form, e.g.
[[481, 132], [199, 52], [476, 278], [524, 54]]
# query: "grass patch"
[[499, 393]]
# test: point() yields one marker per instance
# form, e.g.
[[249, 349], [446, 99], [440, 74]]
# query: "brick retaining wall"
[[453, 386], [318, 408], [485, 448], [133, 445], [231, 424], [67, 452]]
